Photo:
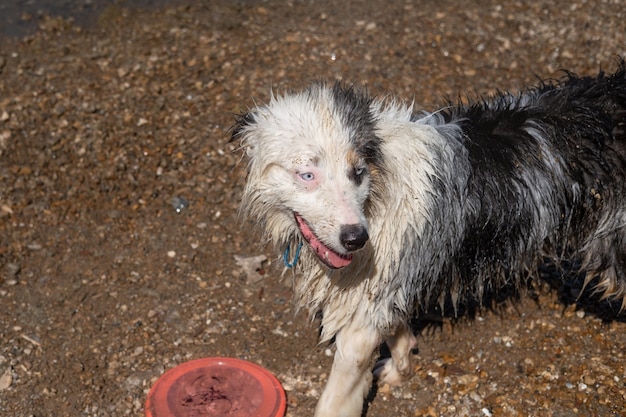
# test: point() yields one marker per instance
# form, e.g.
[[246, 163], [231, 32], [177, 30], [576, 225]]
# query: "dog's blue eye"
[[358, 174], [307, 176]]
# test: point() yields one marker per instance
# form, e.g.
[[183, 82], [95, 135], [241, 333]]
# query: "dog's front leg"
[[399, 367], [350, 377]]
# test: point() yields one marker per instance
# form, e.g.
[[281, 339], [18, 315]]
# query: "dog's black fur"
[[583, 122]]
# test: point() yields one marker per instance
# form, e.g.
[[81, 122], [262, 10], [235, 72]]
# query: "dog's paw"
[[386, 372]]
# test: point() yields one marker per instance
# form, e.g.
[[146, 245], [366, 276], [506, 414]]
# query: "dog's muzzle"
[[353, 236]]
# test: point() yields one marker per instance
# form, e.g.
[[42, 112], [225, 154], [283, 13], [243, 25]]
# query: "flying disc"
[[213, 387]]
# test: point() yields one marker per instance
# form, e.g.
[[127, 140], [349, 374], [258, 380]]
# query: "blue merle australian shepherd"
[[386, 211]]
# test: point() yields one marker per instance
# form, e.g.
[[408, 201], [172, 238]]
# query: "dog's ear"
[[243, 123], [244, 131]]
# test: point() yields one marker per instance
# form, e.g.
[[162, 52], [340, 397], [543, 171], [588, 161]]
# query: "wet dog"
[[386, 211]]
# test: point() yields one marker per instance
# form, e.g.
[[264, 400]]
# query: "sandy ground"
[[119, 191]]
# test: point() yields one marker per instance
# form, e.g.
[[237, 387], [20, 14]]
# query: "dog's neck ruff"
[[327, 255]]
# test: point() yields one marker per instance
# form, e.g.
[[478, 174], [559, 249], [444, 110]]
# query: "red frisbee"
[[213, 387]]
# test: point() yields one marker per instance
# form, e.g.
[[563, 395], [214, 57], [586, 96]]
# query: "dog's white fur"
[[303, 161]]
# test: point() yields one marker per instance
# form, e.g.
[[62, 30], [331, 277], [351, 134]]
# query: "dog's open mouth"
[[331, 258]]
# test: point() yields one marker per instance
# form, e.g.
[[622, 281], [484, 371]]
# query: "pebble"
[[134, 380], [251, 267], [34, 341], [6, 379], [5, 209], [179, 204]]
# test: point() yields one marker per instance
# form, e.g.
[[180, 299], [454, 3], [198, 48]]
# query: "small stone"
[[179, 204], [589, 379], [13, 269], [133, 380], [6, 379], [251, 266], [527, 366], [384, 389]]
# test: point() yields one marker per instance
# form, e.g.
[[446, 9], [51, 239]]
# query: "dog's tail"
[[593, 112]]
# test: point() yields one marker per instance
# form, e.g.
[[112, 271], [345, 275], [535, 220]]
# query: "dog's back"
[[548, 178]]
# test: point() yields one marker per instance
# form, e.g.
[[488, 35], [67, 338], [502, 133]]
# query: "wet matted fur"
[[397, 210]]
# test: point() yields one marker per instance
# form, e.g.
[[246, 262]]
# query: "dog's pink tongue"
[[331, 258]]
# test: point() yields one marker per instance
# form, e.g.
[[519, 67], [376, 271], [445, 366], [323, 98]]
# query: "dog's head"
[[313, 156]]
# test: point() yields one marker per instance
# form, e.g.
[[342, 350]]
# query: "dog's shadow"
[[564, 281]]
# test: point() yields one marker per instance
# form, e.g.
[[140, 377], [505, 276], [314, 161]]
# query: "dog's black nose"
[[353, 236]]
